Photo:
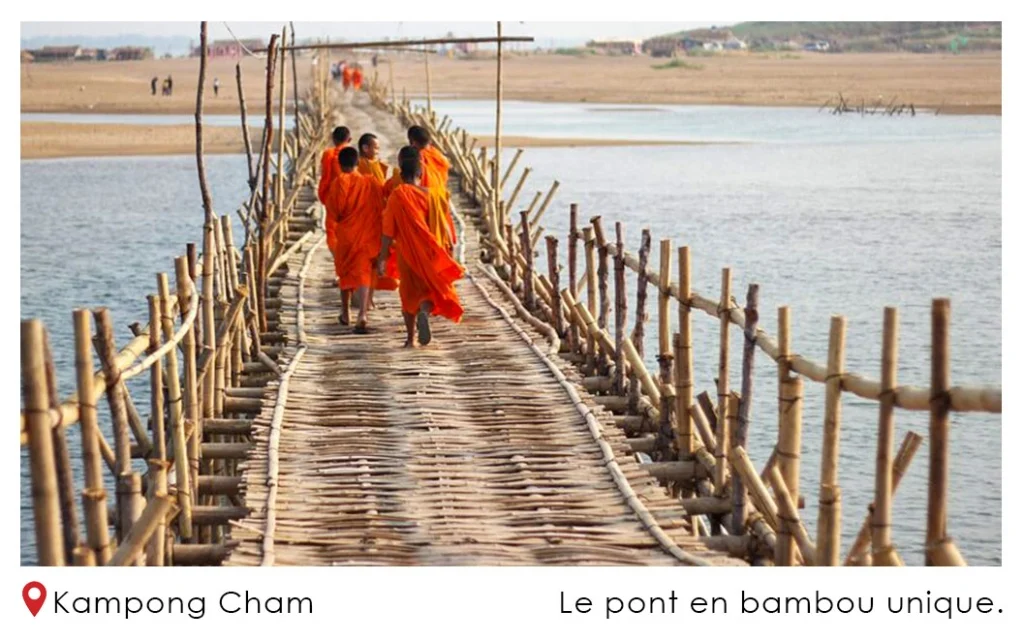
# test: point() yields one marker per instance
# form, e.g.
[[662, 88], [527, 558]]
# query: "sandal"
[[342, 319], [361, 328]]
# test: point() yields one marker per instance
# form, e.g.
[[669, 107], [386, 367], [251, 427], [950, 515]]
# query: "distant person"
[[170, 85], [152, 85], [357, 78], [374, 61], [165, 88], [346, 77], [413, 227], [216, 87]]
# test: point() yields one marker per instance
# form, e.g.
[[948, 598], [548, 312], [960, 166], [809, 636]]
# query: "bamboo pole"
[[511, 166], [130, 502], [156, 384], [156, 549], [181, 468], [497, 183], [939, 547], [739, 510], [62, 461], [861, 547], [282, 90], [723, 435], [722, 448], [684, 361], [94, 496], [604, 306], [45, 494], [621, 312], [426, 68], [664, 288], [790, 411], [246, 138], [184, 286], [513, 263], [295, 94], [748, 476], [829, 517], [264, 221], [528, 293], [146, 526], [574, 337], [791, 529], [209, 322], [118, 412], [555, 276], [881, 526], [591, 279], [637, 337]]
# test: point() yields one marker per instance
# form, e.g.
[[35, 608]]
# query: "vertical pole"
[[94, 497], [391, 80], [45, 498], [184, 286], [829, 517], [426, 68], [295, 96], [261, 247], [739, 493], [181, 472], [620, 311], [637, 337], [155, 551], [684, 361], [939, 548], [528, 293], [496, 180], [62, 460], [555, 276], [118, 411], [881, 518], [573, 238], [788, 446], [604, 305], [591, 278], [279, 183]]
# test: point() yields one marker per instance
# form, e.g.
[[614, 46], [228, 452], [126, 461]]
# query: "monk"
[[357, 78], [413, 222], [369, 163], [435, 165], [356, 203], [346, 77], [329, 160]]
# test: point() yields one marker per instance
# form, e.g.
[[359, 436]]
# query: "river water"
[[829, 215]]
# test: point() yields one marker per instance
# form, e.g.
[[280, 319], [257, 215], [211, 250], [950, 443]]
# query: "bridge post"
[[555, 276], [619, 384], [829, 515], [637, 337]]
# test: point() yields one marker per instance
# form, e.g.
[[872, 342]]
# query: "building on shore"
[[616, 47], [230, 48], [56, 53], [712, 39], [130, 53]]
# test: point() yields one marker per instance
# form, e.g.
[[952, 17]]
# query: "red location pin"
[[34, 604]]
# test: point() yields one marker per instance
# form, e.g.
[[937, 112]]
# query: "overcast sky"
[[362, 30]]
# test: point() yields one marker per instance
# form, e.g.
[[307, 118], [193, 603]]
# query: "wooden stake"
[[621, 312], [184, 286], [528, 293], [94, 497], [829, 517], [637, 338], [881, 527], [684, 361], [496, 184], [181, 468], [555, 276], [664, 292], [604, 307], [724, 307], [739, 496], [45, 495], [62, 460], [591, 280], [939, 549], [574, 343], [146, 526]]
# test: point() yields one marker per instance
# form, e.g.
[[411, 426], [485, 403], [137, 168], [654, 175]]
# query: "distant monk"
[[357, 78], [216, 87], [152, 84], [369, 164], [346, 77], [414, 223], [170, 85], [356, 203], [329, 161]]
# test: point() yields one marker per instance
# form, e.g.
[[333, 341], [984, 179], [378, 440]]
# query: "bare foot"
[[408, 344]]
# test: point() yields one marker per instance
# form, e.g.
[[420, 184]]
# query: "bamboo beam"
[[398, 44]]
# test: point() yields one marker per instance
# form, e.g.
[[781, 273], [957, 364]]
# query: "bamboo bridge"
[[530, 433]]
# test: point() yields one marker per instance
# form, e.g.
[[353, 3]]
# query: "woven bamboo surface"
[[466, 451]]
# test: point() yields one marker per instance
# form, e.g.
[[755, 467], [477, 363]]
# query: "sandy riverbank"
[[63, 140], [969, 83]]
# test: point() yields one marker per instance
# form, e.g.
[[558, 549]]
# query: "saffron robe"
[[357, 79], [435, 168], [356, 203], [427, 271], [374, 168], [328, 170]]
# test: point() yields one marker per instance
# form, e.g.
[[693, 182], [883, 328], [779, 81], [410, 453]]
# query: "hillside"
[[867, 36]]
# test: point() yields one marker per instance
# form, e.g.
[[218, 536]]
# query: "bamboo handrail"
[[962, 398]]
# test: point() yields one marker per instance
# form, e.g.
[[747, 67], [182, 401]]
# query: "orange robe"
[[346, 77], [356, 203], [374, 168], [328, 170], [357, 79], [426, 269], [435, 168], [393, 183]]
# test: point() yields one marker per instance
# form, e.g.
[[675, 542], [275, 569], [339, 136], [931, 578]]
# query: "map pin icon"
[[34, 604]]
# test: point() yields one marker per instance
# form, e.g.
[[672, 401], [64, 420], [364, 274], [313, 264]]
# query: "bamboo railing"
[[696, 447], [209, 347]]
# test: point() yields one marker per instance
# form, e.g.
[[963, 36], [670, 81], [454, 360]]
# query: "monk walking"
[[357, 78], [355, 203], [329, 161], [416, 227], [435, 165], [346, 77]]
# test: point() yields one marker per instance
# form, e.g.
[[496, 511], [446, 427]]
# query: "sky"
[[542, 31]]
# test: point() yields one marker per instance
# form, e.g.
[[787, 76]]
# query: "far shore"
[[69, 140]]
